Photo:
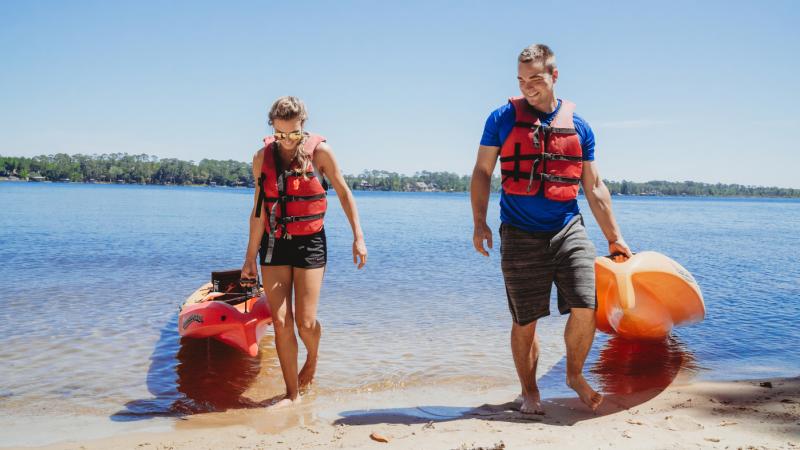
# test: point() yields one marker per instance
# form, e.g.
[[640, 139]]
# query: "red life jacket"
[[534, 155], [295, 205]]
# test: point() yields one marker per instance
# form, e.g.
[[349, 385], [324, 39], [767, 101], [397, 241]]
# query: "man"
[[545, 152]]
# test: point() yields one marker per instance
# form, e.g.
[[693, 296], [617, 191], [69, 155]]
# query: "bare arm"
[[480, 189], [326, 163], [599, 199], [250, 268]]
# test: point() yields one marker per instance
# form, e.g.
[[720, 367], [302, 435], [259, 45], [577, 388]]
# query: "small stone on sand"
[[378, 437]]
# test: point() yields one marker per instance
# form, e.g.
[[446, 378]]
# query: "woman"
[[287, 233]]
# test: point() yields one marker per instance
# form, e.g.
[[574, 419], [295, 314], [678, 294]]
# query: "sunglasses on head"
[[292, 135]]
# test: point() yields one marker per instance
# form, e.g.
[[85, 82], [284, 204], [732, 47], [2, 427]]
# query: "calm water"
[[94, 276]]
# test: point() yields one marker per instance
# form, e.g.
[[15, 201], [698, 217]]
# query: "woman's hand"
[[249, 276], [211, 296], [359, 251]]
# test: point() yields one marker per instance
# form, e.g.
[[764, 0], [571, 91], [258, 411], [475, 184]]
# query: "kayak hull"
[[241, 326], [645, 296]]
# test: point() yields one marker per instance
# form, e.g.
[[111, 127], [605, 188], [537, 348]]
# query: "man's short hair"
[[539, 53]]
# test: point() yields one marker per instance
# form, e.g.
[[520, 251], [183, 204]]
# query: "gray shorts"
[[532, 262]]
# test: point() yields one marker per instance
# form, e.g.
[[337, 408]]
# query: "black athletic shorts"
[[306, 252], [532, 262]]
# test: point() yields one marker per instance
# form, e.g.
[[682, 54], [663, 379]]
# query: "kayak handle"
[[616, 256]]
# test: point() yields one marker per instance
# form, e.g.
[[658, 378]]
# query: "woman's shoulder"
[[323, 146], [259, 154], [258, 159]]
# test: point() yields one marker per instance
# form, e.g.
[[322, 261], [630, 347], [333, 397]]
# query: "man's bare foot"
[[585, 392], [531, 403], [306, 375], [284, 402]]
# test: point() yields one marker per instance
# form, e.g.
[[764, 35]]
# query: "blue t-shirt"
[[534, 212]]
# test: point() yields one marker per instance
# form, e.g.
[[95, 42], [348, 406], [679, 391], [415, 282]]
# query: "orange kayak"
[[645, 296], [240, 325]]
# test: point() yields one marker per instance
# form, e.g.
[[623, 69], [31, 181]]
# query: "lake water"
[[94, 276]]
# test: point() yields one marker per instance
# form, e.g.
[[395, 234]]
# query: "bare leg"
[[534, 358], [307, 284], [278, 287], [525, 349], [578, 335]]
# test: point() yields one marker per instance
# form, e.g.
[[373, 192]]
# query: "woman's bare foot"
[[589, 396], [306, 375], [284, 402], [531, 403]]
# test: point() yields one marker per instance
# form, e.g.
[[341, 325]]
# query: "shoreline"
[[580, 195], [759, 413]]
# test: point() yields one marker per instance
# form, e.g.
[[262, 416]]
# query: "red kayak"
[[224, 311]]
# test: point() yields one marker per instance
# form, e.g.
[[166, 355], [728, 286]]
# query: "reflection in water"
[[213, 376], [627, 366], [190, 376]]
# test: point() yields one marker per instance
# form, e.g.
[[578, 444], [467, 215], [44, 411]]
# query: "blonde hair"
[[292, 108], [539, 53]]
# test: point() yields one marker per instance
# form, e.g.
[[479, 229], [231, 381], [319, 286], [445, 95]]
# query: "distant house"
[[421, 186], [365, 185]]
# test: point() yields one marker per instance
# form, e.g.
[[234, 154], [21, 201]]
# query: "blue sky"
[[703, 91]]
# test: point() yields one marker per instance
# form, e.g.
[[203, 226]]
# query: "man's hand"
[[482, 233], [479, 195], [619, 247]]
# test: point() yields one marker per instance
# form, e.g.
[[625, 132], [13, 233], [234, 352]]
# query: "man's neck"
[[547, 106]]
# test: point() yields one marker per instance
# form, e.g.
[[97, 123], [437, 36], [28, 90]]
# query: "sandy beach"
[[740, 414]]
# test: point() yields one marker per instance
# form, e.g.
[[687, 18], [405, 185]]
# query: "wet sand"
[[739, 414]]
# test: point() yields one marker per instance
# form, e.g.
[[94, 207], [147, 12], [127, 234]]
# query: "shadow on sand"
[[191, 376], [628, 373]]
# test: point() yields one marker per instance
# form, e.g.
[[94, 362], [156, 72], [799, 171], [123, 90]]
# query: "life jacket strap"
[[546, 128], [296, 198], [273, 227], [291, 219], [545, 177], [559, 157], [520, 158], [262, 196], [547, 156], [294, 173]]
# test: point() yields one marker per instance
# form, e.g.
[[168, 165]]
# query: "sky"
[[703, 91]]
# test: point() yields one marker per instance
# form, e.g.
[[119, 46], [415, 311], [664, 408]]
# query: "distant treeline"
[[381, 180], [125, 168], [147, 169], [697, 189]]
